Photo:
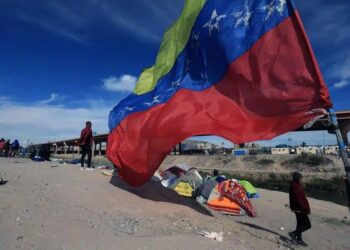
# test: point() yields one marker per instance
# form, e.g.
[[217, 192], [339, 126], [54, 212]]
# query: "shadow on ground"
[[156, 192], [283, 238]]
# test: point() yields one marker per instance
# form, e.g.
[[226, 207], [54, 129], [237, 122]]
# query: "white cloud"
[[53, 97], [4, 99], [332, 19], [147, 19], [42, 123], [76, 20], [342, 72], [124, 83], [341, 84]]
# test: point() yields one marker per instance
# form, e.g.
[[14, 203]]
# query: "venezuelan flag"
[[243, 70]]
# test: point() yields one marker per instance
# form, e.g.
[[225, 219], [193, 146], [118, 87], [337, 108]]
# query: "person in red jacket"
[[300, 206], [85, 142]]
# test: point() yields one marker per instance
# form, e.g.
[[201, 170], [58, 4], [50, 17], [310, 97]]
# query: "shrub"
[[265, 162], [309, 159], [249, 158], [273, 176]]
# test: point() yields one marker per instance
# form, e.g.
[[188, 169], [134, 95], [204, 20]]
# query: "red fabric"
[[268, 91], [297, 199], [86, 137], [2, 144], [236, 193]]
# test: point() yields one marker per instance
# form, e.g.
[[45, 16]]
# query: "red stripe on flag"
[[268, 91]]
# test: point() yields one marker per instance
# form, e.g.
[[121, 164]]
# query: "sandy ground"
[[45, 207]]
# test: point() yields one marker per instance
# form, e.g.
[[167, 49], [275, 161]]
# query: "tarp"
[[236, 193], [207, 187], [222, 204], [178, 169], [184, 188], [249, 188], [191, 177]]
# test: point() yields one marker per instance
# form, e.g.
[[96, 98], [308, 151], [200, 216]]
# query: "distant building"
[[308, 150], [331, 150], [280, 151], [198, 145]]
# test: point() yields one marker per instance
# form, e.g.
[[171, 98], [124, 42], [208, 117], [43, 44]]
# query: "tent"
[[236, 193], [222, 204], [168, 178], [249, 188], [178, 169], [206, 188], [186, 184], [219, 178]]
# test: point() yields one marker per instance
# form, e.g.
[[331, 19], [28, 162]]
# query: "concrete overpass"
[[69, 146]]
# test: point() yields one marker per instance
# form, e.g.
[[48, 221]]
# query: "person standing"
[[15, 147], [300, 206], [7, 148], [2, 145], [85, 142]]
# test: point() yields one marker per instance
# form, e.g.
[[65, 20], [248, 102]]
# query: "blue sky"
[[64, 62]]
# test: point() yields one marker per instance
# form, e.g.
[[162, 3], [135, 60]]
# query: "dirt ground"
[[55, 206]]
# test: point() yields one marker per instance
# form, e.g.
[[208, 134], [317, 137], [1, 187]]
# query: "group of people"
[[8, 149], [298, 201]]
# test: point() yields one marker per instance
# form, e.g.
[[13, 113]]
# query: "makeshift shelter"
[[220, 178], [178, 169], [249, 188], [236, 193], [222, 204], [186, 184], [168, 178], [206, 188]]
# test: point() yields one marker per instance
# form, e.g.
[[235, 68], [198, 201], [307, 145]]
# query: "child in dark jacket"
[[300, 206]]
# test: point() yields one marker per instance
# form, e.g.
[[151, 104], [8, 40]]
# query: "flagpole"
[[342, 150]]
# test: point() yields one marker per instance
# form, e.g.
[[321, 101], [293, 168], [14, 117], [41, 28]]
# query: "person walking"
[[300, 206], [85, 142]]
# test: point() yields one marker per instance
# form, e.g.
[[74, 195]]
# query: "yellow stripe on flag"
[[174, 41]]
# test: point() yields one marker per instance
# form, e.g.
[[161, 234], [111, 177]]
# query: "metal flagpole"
[[342, 150]]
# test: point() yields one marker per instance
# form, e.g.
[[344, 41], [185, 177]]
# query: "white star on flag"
[[175, 84], [195, 36], [129, 108], [243, 16], [154, 101], [272, 7], [204, 76], [214, 21], [281, 5]]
